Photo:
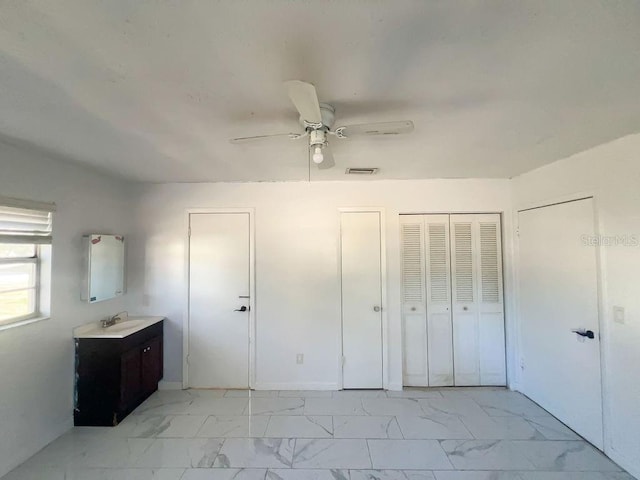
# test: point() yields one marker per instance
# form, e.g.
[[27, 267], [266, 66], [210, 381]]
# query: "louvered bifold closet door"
[[465, 302], [491, 340], [414, 305], [438, 273], [478, 314]]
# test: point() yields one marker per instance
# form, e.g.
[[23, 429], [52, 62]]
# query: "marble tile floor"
[[415, 434]]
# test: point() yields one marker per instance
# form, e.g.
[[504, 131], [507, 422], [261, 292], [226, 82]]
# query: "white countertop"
[[119, 330]]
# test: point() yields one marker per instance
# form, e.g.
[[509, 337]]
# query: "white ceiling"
[[152, 90]]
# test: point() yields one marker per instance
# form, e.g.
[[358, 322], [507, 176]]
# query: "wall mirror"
[[103, 267]]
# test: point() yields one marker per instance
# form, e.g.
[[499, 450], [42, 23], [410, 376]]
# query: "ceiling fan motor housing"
[[318, 138]]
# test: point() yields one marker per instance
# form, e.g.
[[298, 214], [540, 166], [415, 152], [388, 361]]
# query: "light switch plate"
[[618, 314]]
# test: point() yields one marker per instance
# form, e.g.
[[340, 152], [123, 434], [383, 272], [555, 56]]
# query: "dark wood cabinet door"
[[151, 364], [130, 377], [114, 376]]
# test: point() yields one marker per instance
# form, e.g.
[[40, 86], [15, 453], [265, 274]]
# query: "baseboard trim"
[[515, 387], [296, 386], [628, 464], [169, 385], [394, 386], [41, 442]]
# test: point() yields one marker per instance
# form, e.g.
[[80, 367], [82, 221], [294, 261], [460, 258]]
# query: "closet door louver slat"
[[463, 262], [489, 263], [438, 263], [412, 263]]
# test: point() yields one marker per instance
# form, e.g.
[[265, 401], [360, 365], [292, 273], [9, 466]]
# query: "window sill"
[[21, 323]]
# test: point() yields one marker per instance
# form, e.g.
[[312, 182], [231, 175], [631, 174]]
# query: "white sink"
[[126, 325], [119, 330]]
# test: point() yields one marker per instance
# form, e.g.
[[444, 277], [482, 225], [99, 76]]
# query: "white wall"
[[36, 404], [612, 173], [297, 257]]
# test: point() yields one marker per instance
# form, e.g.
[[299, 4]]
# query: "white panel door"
[[414, 304], [478, 306], [558, 294], [439, 326], [218, 289], [361, 299]]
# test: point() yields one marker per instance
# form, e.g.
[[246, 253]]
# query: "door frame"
[[252, 290], [600, 290], [383, 291]]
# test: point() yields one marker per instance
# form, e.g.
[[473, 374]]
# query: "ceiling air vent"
[[361, 171]]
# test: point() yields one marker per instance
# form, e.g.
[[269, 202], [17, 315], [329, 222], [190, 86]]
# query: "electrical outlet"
[[300, 358], [522, 364], [618, 314]]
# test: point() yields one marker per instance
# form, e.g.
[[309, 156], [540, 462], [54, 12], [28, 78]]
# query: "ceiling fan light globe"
[[317, 156]]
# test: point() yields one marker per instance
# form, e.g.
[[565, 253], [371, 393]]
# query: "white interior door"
[[219, 272], [558, 294], [361, 251], [478, 305]]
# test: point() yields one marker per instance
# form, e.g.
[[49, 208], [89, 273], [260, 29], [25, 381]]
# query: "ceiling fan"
[[317, 120]]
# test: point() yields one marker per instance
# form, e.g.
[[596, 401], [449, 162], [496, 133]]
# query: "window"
[[25, 252]]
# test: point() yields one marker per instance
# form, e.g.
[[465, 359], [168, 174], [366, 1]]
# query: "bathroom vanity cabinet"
[[115, 375]]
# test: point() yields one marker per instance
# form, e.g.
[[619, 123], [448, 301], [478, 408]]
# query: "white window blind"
[[22, 221], [25, 231]]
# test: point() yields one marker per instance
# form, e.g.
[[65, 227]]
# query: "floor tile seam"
[[464, 424], [369, 452], [439, 443], [517, 471], [266, 429]]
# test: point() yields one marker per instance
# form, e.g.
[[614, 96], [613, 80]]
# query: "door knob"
[[376, 308], [585, 333], [241, 309]]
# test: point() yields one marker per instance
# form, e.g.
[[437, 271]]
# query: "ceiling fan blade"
[[241, 140], [328, 161], [304, 97], [383, 128]]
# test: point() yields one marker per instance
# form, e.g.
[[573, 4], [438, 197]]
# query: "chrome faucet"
[[107, 322]]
